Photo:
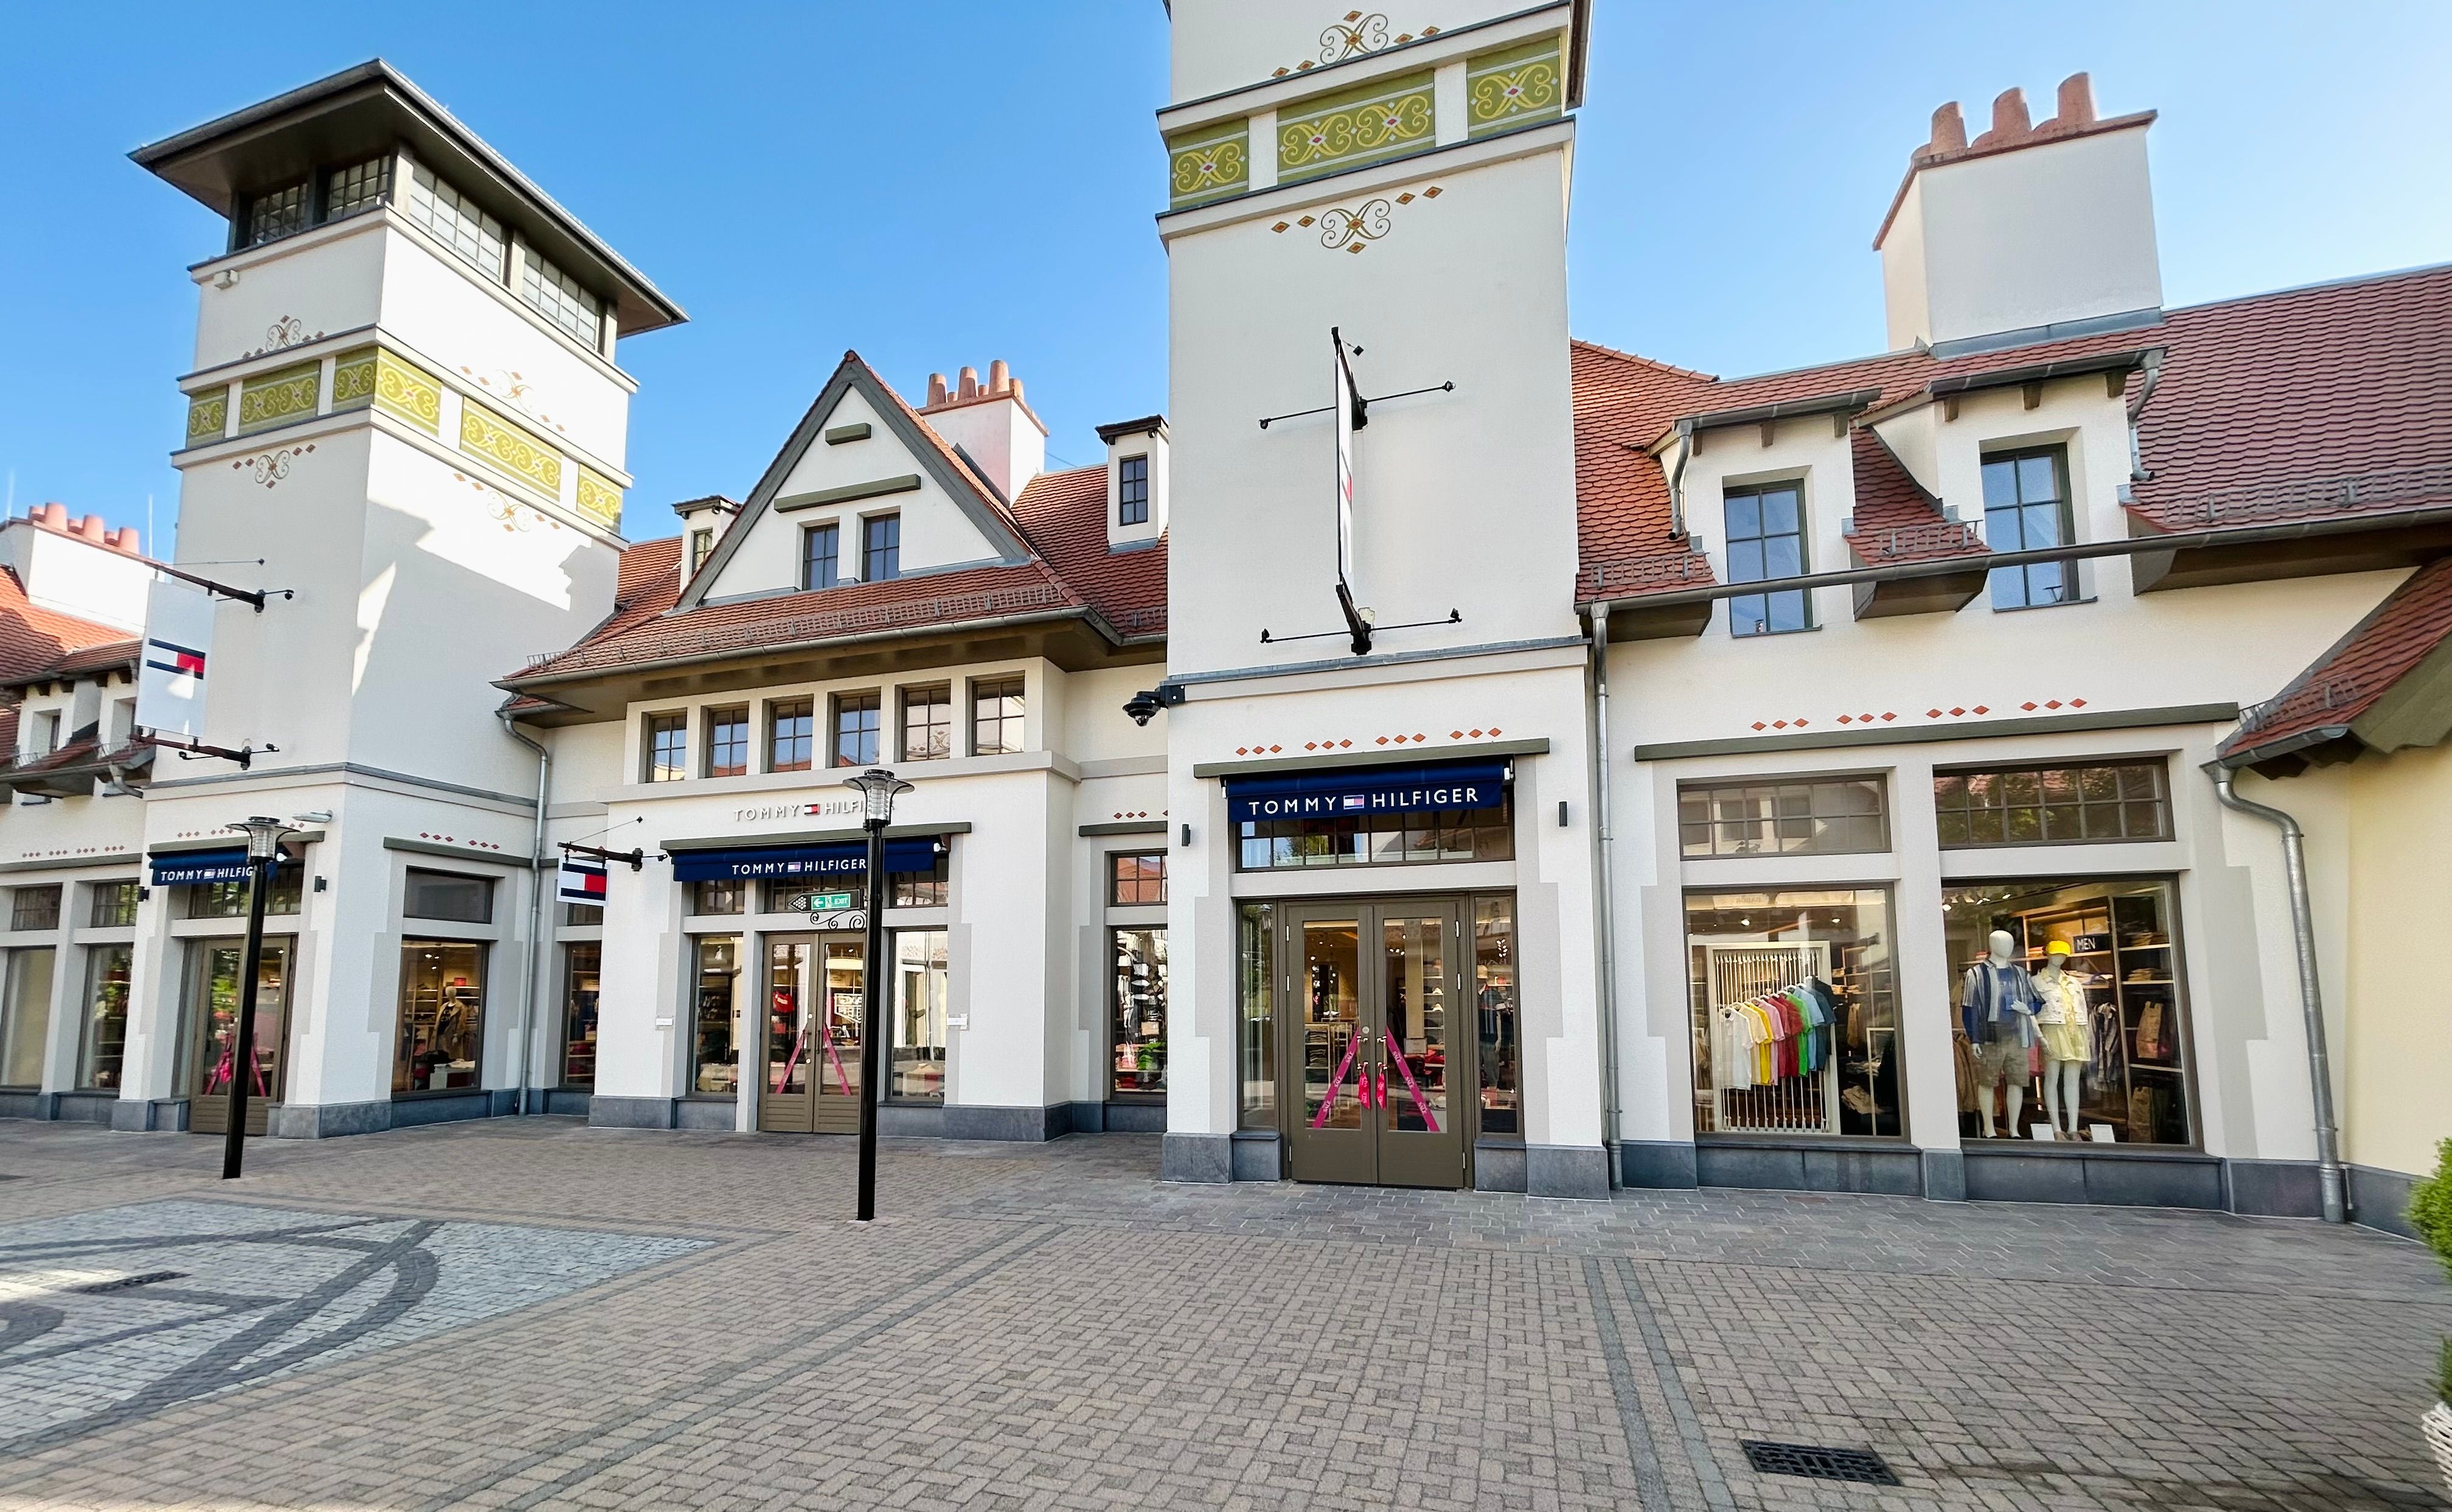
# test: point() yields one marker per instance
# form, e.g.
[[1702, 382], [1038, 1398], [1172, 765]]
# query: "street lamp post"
[[877, 789], [263, 859]]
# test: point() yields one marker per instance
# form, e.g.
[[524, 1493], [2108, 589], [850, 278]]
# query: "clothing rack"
[[1735, 975]]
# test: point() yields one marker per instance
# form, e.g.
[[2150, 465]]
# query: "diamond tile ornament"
[[1304, 219], [2030, 706], [2077, 702], [1981, 709]]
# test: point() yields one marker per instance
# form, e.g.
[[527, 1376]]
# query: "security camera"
[[1144, 705]]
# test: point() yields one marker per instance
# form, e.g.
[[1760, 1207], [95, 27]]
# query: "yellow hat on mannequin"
[[2059, 947]]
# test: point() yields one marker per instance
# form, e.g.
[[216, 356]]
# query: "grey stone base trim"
[[411, 1112], [629, 1112], [566, 1101], [85, 1108], [911, 1121], [1803, 1166], [1257, 1155], [44, 1105], [1205, 1157], [2072, 1174], [324, 1121], [2273, 1188], [1122, 1117], [2380, 1199], [1498, 1166], [162, 1115], [1945, 1176], [1567, 1170], [1022, 1124], [718, 1115], [1659, 1164]]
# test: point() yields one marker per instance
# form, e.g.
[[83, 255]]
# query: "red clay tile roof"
[[2289, 405], [2322, 702], [34, 640], [1064, 515], [86, 753]]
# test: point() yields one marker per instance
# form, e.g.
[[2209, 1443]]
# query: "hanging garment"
[[1961, 1057]]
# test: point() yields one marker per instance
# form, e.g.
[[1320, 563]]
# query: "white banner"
[[1344, 401], [583, 880], [171, 675]]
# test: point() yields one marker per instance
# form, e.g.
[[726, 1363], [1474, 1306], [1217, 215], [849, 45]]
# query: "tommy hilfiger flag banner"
[[583, 880]]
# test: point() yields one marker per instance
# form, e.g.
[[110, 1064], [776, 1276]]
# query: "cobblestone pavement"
[[536, 1314]]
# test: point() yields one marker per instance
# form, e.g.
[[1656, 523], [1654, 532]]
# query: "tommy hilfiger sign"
[[1355, 792], [762, 813]]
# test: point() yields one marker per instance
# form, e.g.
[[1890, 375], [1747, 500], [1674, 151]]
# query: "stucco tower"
[[1400, 178], [404, 407]]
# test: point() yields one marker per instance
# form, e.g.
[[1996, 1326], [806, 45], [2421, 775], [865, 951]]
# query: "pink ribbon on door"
[[1411, 1086], [792, 1060], [1320, 1119], [827, 1038]]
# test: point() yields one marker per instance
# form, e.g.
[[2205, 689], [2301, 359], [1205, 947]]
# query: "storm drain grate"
[[102, 1289], [1818, 1463]]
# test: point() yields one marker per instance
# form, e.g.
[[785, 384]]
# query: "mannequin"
[[2068, 1042], [1997, 1009]]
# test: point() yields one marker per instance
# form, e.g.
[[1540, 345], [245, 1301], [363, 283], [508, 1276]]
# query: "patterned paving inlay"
[[258, 1292]]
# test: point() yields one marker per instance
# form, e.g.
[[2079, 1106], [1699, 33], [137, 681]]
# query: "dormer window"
[[1767, 541], [820, 556], [2026, 508], [880, 548], [1132, 490], [702, 542]]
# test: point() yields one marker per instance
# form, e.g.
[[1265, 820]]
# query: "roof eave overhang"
[[1844, 402]]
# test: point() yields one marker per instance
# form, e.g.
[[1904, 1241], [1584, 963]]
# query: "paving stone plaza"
[[537, 1314]]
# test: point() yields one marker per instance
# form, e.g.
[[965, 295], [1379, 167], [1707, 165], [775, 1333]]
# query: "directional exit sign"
[[822, 902]]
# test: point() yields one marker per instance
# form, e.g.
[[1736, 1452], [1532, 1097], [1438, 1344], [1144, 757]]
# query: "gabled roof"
[[36, 643], [2387, 684], [2296, 404]]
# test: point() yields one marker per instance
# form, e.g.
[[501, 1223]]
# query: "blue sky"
[[951, 183]]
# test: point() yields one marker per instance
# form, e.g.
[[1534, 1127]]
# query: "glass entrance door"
[[212, 1018], [810, 1061], [1373, 988]]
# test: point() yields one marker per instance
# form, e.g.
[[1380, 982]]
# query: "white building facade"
[[1655, 839]]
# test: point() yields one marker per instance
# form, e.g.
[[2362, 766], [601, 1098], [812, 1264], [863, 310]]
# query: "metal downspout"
[[1607, 894], [536, 906], [2311, 1000]]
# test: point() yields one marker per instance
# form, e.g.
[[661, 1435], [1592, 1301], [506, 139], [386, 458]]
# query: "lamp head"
[[263, 836], [878, 789]]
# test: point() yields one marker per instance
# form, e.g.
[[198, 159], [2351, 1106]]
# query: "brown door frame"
[[821, 1108], [209, 1112]]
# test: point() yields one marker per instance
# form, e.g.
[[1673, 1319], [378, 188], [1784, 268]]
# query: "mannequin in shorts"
[[2061, 1022], [1997, 1008]]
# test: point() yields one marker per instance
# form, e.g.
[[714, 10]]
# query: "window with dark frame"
[[1377, 839], [857, 724], [1135, 878], [583, 915], [581, 983], [454, 220], [820, 556], [995, 716], [561, 299], [880, 548], [276, 213], [2026, 509], [702, 542], [2052, 805], [34, 908], [927, 723], [667, 748], [1137, 1064], [448, 895], [1823, 815], [716, 895], [727, 742], [359, 187], [791, 734], [114, 905], [1132, 491], [1765, 541], [227, 899]]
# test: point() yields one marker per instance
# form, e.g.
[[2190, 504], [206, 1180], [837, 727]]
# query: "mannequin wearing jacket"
[[1996, 1007], [2061, 1022]]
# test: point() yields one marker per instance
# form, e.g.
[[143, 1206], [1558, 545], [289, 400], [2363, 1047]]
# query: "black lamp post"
[[877, 789], [263, 859]]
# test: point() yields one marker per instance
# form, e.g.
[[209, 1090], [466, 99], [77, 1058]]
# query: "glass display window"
[[441, 1016], [919, 992], [114, 905], [714, 1017], [1794, 1012], [2101, 1056], [227, 899], [582, 982], [1377, 839], [1138, 1004], [26, 1016], [1256, 983], [102, 1047], [1496, 1013]]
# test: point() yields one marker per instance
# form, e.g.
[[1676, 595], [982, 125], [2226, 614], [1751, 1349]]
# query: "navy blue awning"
[[844, 859], [204, 865], [1363, 790]]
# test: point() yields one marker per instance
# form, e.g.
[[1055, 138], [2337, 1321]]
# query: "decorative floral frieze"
[[269, 467], [599, 498], [278, 398], [1344, 228], [1355, 127], [1209, 164], [284, 333], [1513, 87], [1357, 35], [484, 434], [207, 416], [384, 381]]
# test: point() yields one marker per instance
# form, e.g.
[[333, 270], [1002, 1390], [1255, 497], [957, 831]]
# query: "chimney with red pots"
[[989, 424]]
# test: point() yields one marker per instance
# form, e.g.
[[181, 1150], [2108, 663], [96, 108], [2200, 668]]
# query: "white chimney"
[[1137, 482], [989, 423], [2027, 233]]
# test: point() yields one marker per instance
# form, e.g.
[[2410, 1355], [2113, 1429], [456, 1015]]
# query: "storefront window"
[[911, 889], [227, 899], [919, 1015], [581, 981], [583, 915], [441, 1016], [2051, 806], [1795, 1012], [1136, 879], [1495, 1011], [1829, 816], [449, 896], [715, 1047], [1138, 1004], [34, 908], [26, 1016], [1378, 839], [212, 1020], [1256, 979], [115, 905], [721, 895], [2104, 1057], [104, 1039]]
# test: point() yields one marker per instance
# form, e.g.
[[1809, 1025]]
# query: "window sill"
[[1790, 1140], [2027, 608], [1774, 635]]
